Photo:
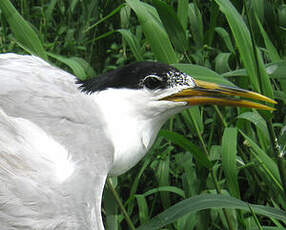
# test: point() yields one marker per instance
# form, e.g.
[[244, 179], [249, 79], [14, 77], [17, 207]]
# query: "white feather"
[[133, 118], [52, 171], [57, 145]]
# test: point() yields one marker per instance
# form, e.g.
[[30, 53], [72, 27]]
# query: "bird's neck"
[[131, 143], [132, 131]]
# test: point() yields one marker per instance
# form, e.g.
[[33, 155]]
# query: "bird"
[[60, 137]]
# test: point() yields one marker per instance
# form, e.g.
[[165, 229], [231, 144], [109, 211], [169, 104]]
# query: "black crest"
[[133, 76]]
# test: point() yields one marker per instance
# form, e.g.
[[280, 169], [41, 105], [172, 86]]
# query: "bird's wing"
[[32, 89], [44, 110], [24, 174]]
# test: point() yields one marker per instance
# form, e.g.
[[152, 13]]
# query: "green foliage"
[[225, 161], [204, 201], [25, 35]]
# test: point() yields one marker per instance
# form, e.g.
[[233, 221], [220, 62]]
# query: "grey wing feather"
[[44, 100], [32, 89]]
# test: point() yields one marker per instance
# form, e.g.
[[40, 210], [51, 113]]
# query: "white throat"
[[133, 121]]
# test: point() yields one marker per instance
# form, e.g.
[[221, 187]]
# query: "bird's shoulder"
[[26, 72]]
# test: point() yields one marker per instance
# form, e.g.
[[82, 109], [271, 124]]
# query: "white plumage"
[[52, 174], [58, 144]]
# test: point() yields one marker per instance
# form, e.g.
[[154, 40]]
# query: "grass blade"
[[154, 31], [272, 51], [229, 145], [50, 9], [115, 11], [196, 23], [214, 12], [207, 201], [172, 25], [187, 145], [22, 31], [221, 62], [163, 176], [171, 189], [182, 13], [268, 164], [257, 120], [242, 38], [132, 42], [143, 208], [225, 37], [275, 70], [111, 210], [264, 78]]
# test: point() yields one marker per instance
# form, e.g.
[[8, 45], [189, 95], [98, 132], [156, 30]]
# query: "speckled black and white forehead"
[[151, 75], [179, 78]]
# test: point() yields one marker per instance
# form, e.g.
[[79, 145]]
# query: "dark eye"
[[152, 82]]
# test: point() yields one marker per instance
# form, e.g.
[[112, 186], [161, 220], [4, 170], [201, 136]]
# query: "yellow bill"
[[211, 93]]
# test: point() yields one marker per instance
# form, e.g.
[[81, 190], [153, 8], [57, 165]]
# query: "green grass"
[[211, 167]]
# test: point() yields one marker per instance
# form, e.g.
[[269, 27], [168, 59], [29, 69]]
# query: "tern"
[[61, 137]]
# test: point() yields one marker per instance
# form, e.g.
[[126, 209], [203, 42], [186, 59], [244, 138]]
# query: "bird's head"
[[165, 88], [137, 99]]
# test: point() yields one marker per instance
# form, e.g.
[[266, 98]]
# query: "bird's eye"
[[152, 82]]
